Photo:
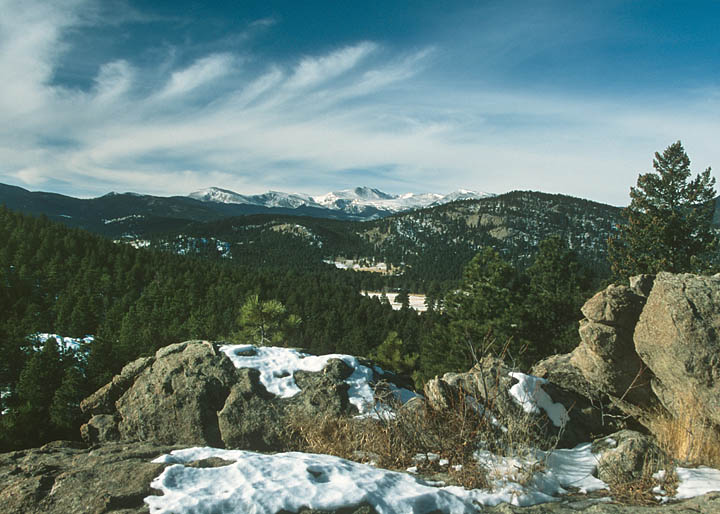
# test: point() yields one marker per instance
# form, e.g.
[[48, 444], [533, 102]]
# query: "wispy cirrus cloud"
[[360, 112], [205, 71], [312, 71]]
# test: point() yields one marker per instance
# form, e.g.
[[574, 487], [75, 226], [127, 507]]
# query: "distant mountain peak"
[[363, 201]]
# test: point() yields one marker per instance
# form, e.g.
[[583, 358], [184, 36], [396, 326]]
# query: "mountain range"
[[114, 214], [362, 202]]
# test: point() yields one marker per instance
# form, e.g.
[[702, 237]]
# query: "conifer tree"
[[559, 285], [669, 220], [266, 322]]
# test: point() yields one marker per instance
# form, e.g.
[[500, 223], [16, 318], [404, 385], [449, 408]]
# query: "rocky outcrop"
[[605, 366], [655, 343], [624, 456], [678, 337], [191, 393], [491, 383], [63, 477], [606, 356]]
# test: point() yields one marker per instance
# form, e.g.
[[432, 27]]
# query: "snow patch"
[[265, 484], [277, 366], [530, 395], [64, 343], [696, 482]]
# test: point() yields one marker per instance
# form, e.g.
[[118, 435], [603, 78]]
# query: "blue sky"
[[168, 97]]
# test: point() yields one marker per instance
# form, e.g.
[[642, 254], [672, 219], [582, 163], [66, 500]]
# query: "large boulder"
[[605, 367], [678, 337], [191, 393], [176, 399], [606, 355]]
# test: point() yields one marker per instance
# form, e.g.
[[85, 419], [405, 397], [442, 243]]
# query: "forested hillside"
[[60, 280], [55, 279], [427, 249], [439, 242]]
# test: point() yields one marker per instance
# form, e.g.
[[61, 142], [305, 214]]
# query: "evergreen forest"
[[62, 280]]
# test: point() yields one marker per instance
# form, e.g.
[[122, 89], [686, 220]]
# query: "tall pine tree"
[[669, 220]]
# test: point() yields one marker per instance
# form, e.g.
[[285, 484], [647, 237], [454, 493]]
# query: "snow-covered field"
[[265, 484], [417, 301]]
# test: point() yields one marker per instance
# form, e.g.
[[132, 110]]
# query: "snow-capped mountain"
[[269, 199], [364, 201], [218, 195]]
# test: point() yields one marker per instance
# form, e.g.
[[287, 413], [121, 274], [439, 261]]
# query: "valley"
[[432, 243]]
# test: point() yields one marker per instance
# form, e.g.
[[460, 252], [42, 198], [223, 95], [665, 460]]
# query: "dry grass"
[[452, 435], [642, 490], [689, 437], [395, 442]]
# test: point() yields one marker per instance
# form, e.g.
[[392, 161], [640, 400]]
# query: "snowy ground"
[[265, 484], [417, 301]]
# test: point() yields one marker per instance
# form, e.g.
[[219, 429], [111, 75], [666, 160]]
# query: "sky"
[[169, 97]]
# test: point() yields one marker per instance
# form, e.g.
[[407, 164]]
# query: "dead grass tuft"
[[434, 441], [688, 437], [645, 489]]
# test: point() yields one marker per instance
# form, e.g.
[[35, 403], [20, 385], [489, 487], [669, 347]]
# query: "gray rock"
[[190, 393], [489, 382], [617, 306], [100, 428], [176, 399], [103, 400], [64, 477], [606, 357], [253, 421], [605, 367], [678, 337], [624, 456]]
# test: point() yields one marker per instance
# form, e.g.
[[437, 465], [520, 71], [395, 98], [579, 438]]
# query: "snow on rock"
[[277, 366], [262, 483], [573, 467], [530, 395]]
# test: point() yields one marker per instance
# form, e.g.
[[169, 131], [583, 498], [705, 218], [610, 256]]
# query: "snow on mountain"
[[463, 194], [218, 195], [288, 200], [353, 201], [269, 199]]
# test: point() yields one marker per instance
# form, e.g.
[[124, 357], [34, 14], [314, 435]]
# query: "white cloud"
[[113, 81], [202, 72], [29, 44], [315, 70]]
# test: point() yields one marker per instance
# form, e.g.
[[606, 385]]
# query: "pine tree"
[[559, 285], [669, 220], [266, 322], [484, 313]]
